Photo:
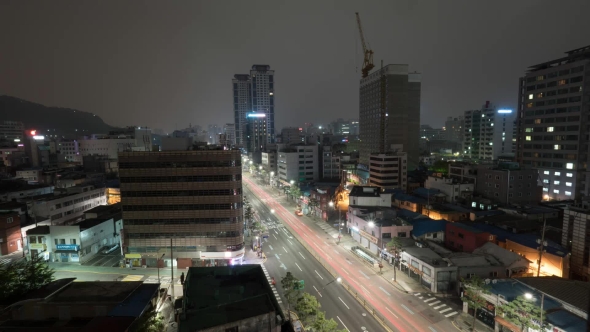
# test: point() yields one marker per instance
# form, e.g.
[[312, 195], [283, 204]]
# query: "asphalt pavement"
[[286, 254], [402, 310]]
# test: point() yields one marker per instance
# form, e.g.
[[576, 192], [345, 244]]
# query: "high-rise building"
[[213, 134], [257, 134], [190, 200], [454, 128], [254, 92], [291, 135], [11, 130], [488, 133], [553, 124], [242, 105], [401, 105], [229, 129], [389, 170]]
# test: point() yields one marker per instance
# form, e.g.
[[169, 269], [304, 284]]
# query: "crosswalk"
[[436, 304], [274, 289], [5, 261], [133, 277]]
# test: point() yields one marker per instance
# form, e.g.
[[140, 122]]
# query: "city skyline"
[[171, 73]]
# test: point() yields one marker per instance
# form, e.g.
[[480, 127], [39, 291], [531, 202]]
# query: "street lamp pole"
[[339, 280], [158, 262]]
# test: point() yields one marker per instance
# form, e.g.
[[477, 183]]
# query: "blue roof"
[[409, 198], [426, 225], [393, 191], [487, 213], [408, 215], [424, 193], [456, 207], [529, 240], [137, 302], [556, 315]]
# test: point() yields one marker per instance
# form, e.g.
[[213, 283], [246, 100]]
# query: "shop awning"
[[132, 256]]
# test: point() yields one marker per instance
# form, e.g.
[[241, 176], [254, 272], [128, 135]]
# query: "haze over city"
[[165, 65]]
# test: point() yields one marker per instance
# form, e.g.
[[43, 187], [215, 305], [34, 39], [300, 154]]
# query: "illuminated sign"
[[505, 111], [17, 139], [70, 247], [33, 132], [40, 137], [368, 236], [256, 115]]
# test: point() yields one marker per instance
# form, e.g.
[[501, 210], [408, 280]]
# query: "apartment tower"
[[553, 120], [401, 103], [188, 200]]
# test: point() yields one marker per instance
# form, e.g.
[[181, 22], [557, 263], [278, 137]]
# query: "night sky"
[[166, 64]]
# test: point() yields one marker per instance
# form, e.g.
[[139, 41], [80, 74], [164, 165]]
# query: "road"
[[403, 312], [285, 253], [112, 259]]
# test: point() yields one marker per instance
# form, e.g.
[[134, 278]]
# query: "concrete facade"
[[389, 170], [509, 184], [298, 163]]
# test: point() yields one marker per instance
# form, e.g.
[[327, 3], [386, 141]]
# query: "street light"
[[272, 210], [339, 280], [371, 224]]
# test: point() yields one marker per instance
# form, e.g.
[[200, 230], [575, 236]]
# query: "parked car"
[[109, 250]]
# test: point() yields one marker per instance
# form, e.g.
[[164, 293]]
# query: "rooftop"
[[466, 227], [424, 226], [220, 295], [89, 223], [97, 291], [365, 191]]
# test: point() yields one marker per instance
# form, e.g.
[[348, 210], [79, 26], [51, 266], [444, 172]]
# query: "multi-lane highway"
[[285, 253], [402, 311]]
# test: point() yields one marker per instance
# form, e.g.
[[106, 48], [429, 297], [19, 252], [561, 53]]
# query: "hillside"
[[59, 121]]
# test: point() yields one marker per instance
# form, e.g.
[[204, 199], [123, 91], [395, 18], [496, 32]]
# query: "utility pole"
[[542, 244], [172, 269]]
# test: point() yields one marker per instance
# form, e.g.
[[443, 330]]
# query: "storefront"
[[67, 253], [133, 260]]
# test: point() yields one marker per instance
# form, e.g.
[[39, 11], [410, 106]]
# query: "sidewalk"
[[463, 322], [403, 282]]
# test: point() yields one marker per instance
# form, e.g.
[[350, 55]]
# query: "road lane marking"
[[366, 276], [391, 312], [276, 232], [317, 291], [343, 269], [289, 241], [408, 309], [433, 303], [299, 267], [430, 299], [336, 251], [316, 271], [440, 306], [445, 310], [301, 254], [325, 243], [366, 290], [277, 256], [343, 324], [349, 262], [275, 236], [432, 329], [420, 297], [451, 314], [318, 236], [384, 291], [270, 247], [344, 303], [284, 249]]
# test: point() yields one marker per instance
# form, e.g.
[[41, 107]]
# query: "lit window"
[[528, 130], [491, 143], [568, 184], [531, 96], [546, 172], [569, 175], [561, 82], [569, 165], [557, 173], [539, 95], [528, 138], [556, 147], [555, 191], [545, 181], [550, 129], [537, 121], [540, 78], [556, 182], [529, 105], [545, 189], [568, 193]]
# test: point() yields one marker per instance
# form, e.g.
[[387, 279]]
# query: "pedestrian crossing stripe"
[[432, 301], [133, 277]]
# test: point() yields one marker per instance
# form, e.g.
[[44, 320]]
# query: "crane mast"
[[368, 53]]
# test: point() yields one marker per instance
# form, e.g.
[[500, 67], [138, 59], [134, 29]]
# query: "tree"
[[440, 166], [522, 312], [307, 307], [325, 325], [20, 277], [473, 290], [150, 322], [257, 226], [313, 204], [291, 292], [295, 192], [396, 245]]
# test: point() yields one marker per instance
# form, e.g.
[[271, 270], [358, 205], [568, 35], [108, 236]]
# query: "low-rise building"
[[229, 298], [19, 190], [368, 196], [389, 170], [409, 202], [454, 190], [298, 163], [76, 243], [10, 233], [508, 183], [462, 237], [576, 227], [330, 163], [373, 227]]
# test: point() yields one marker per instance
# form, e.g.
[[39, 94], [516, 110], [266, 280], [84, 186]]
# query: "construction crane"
[[368, 59]]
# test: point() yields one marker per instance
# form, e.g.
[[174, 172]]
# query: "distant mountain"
[[51, 120]]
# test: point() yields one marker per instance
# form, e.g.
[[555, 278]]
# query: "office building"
[[429, 133], [389, 170], [229, 130], [254, 92], [509, 183], [504, 139], [330, 163], [131, 138], [298, 163], [478, 135], [392, 118], [344, 127], [552, 122], [574, 237], [291, 135], [190, 200], [454, 129], [257, 133], [12, 131]]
